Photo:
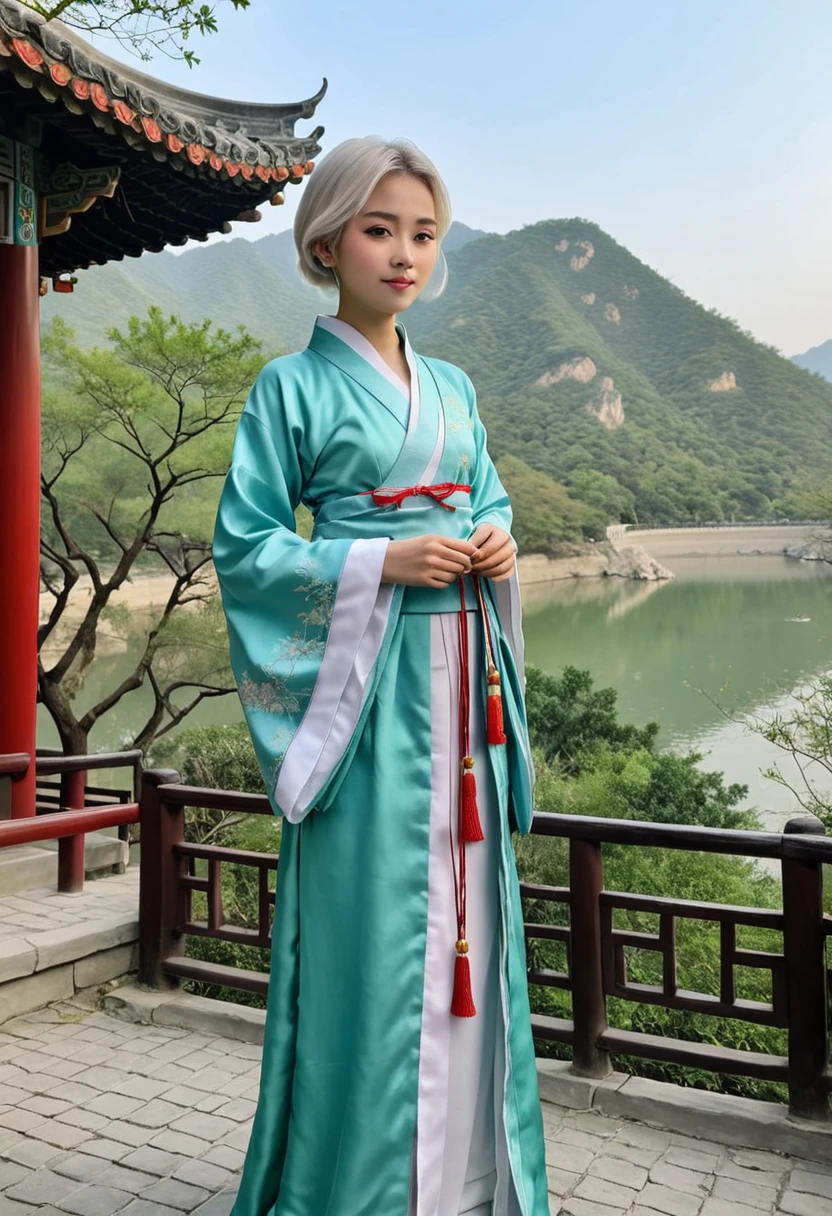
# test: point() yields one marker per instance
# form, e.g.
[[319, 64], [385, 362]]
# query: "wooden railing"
[[79, 807], [597, 964], [66, 827], [169, 878], [15, 766], [595, 950], [62, 780]]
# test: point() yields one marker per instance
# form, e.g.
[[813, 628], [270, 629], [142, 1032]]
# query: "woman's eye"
[[380, 230]]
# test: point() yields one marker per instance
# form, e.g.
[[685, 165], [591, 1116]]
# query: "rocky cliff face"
[[580, 261], [580, 368], [726, 383], [607, 406], [817, 549], [600, 560]]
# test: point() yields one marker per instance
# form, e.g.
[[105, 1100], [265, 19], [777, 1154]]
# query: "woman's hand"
[[495, 552], [427, 561]]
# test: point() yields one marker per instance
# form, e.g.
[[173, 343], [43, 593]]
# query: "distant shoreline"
[[593, 561], [665, 544]]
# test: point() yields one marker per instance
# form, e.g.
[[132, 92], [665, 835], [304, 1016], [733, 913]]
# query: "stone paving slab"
[[52, 944], [99, 1116], [44, 909]]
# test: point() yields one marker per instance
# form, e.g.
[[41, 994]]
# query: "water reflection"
[[717, 640]]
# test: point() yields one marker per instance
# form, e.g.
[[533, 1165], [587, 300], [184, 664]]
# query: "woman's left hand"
[[495, 552]]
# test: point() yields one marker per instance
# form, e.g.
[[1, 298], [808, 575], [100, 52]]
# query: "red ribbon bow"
[[395, 498]]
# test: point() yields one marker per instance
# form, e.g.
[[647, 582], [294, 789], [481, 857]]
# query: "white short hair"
[[340, 186]]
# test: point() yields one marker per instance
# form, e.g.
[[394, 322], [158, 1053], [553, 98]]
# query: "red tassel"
[[495, 732], [462, 1003], [470, 828]]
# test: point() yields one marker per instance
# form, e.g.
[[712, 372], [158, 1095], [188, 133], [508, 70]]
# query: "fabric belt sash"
[[440, 599], [465, 594]]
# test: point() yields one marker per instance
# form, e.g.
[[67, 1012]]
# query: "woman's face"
[[393, 237]]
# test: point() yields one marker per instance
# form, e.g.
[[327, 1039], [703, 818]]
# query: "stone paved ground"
[[44, 909], [100, 1116], [599, 1166]]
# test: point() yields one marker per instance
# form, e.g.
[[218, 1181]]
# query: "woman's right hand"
[[427, 561]]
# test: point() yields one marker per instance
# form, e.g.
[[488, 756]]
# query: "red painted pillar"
[[19, 509]]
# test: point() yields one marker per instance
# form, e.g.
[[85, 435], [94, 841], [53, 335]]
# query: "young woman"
[[380, 667]]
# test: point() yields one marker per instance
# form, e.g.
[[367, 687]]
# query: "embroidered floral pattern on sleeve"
[[269, 690]]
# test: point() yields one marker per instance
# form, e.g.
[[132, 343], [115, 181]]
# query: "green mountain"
[[817, 359], [595, 370], [591, 369]]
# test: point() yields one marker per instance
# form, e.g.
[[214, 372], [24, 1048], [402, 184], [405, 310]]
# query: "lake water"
[[718, 640], [720, 632]]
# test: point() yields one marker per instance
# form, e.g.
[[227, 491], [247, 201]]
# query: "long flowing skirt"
[[375, 1100]]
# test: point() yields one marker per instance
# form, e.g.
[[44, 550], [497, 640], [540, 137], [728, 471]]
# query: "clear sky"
[[698, 133]]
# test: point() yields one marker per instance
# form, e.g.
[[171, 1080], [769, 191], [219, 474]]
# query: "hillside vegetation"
[[588, 362], [608, 394]]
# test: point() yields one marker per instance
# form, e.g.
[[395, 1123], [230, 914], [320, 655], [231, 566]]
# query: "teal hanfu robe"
[[374, 1099]]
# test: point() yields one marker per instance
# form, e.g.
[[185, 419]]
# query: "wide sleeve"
[[306, 619]]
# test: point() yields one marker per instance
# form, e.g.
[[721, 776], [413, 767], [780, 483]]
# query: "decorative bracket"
[[70, 190]]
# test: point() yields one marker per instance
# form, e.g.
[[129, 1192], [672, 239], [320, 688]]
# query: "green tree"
[[569, 719], [620, 781], [599, 490], [815, 500], [140, 25], [135, 442], [545, 517]]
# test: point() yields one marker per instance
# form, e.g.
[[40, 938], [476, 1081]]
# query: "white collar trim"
[[349, 334]]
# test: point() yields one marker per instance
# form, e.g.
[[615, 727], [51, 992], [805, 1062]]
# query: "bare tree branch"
[[805, 734]]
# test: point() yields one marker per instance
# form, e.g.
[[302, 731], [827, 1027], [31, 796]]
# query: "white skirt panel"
[[460, 1157]]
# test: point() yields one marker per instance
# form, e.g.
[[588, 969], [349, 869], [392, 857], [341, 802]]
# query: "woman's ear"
[[321, 253]]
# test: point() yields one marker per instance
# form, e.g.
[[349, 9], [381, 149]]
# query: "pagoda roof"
[[181, 164]]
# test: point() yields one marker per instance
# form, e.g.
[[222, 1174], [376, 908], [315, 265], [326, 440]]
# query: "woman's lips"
[[399, 284]]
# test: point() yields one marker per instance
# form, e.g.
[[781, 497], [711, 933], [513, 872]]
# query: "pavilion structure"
[[97, 162]]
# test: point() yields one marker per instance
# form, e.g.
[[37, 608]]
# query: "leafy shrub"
[[568, 718], [215, 757]]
